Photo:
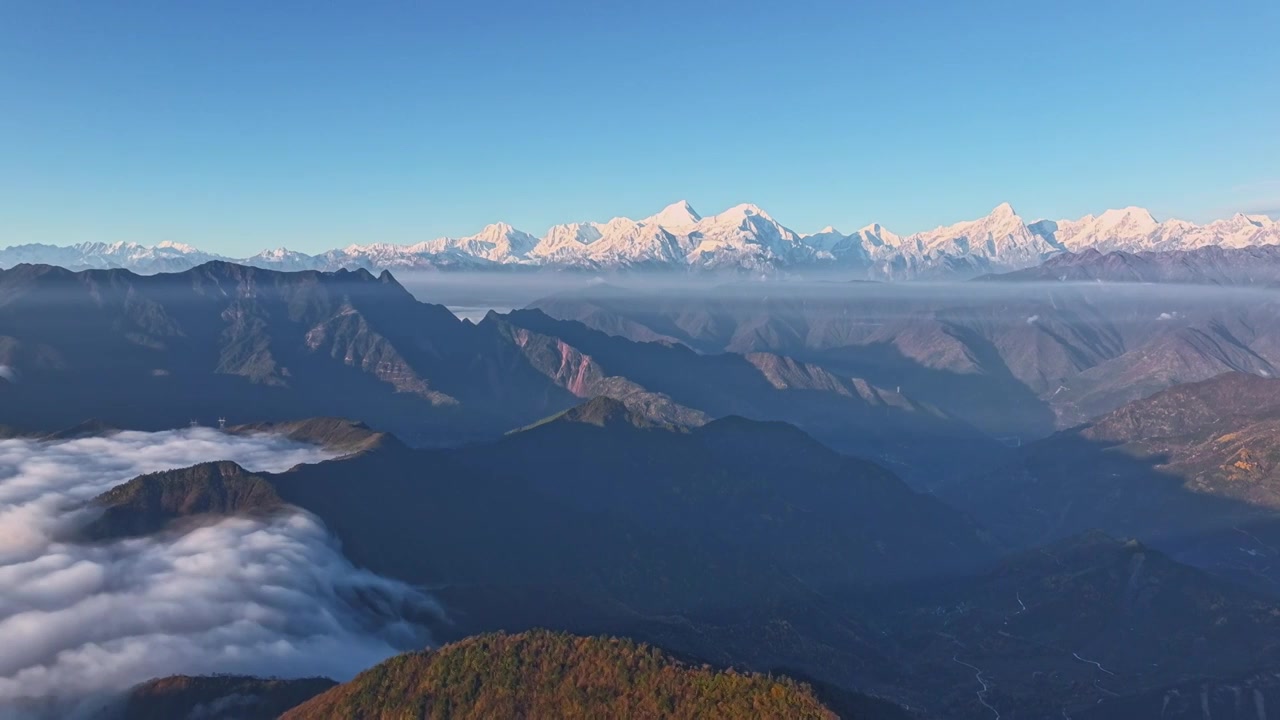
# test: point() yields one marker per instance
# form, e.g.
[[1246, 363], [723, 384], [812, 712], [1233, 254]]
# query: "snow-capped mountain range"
[[742, 238]]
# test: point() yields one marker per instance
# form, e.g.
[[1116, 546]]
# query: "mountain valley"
[[865, 488], [712, 555]]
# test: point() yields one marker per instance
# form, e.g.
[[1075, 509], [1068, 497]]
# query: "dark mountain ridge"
[[751, 545], [219, 340], [1015, 359], [842, 411], [254, 346], [601, 520]]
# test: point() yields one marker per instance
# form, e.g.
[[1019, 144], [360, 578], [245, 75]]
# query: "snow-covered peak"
[[496, 231], [743, 237], [999, 240], [1113, 229], [676, 215], [619, 224], [737, 213], [1256, 220], [498, 242], [279, 252], [1002, 219], [1237, 231], [163, 257], [179, 247], [568, 241], [833, 245], [1132, 217], [746, 237], [573, 233], [823, 238], [1003, 211], [283, 258], [876, 235]]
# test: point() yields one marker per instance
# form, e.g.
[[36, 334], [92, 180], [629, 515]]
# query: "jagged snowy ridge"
[[743, 237]]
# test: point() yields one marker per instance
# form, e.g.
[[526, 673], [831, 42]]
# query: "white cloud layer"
[[259, 596]]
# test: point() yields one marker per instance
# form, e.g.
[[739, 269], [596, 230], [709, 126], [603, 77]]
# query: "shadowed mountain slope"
[[1084, 620], [1015, 359], [843, 411], [750, 545], [601, 520], [767, 488], [260, 346], [1194, 470]]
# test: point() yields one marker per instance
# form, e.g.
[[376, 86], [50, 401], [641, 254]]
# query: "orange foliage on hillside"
[[542, 674]]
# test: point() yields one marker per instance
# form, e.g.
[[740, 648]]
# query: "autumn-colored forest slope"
[[543, 674]]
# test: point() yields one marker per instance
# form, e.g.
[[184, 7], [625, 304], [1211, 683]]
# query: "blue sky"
[[242, 125]]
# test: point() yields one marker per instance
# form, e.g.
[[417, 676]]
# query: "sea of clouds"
[[80, 622]]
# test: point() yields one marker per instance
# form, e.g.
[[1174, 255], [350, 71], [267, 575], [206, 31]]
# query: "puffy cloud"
[[8, 373], [262, 596]]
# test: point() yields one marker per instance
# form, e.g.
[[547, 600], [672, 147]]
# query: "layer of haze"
[[471, 295], [264, 596]]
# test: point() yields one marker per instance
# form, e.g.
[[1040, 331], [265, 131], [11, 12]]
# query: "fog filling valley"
[[472, 294], [265, 596]]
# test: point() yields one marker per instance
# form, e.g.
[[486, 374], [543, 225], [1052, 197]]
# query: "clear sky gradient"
[[237, 126]]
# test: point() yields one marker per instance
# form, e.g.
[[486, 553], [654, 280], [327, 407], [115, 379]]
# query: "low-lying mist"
[[471, 295], [1005, 302], [81, 622]]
